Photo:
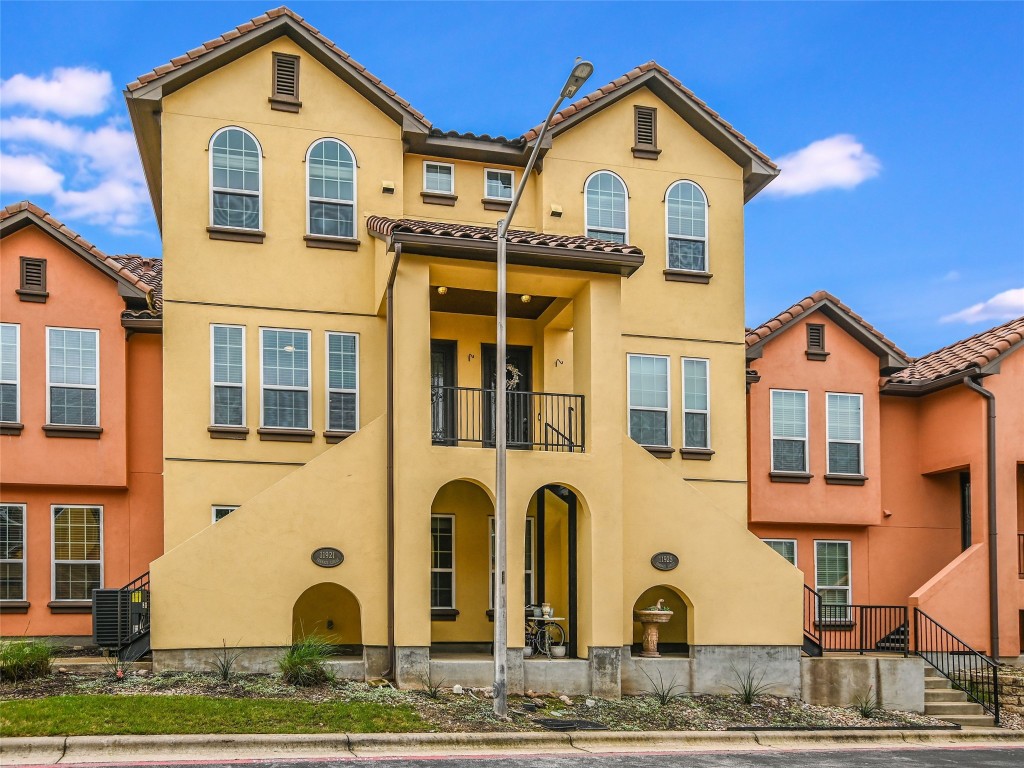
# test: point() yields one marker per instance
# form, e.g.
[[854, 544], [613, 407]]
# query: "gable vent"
[[816, 342], [646, 133], [33, 279], [285, 95]]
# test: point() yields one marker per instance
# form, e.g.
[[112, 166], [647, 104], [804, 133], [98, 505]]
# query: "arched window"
[[687, 212], [236, 165], [606, 207], [332, 189]]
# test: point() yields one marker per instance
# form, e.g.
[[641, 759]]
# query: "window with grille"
[[285, 370], [342, 382], [73, 376], [439, 178], [785, 547], [832, 579], [33, 279], [498, 185], [649, 400], [235, 170], [10, 374], [228, 363], [696, 403], [530, 584], [332, 189], [606, 217], [687, 212], [286, 76], [12, 551], [442, 561], [789, 431], [845, 434], [77, 552], [646, 127]]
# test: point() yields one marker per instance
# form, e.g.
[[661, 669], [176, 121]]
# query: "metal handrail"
[[856, 628], [969, 670], [136, 623], [1020, 555], [811, 601]]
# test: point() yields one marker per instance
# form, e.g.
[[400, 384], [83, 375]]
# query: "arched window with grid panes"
[[607, 207], [687, 227], [331, 189], [236, 170]]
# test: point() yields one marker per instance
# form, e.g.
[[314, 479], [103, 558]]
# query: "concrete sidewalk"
[[115, 749]]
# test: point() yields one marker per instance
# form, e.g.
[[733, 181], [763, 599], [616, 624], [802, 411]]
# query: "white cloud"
[[1003, 306], [67, 91], [838, 162], [951, 277], [28, 175]]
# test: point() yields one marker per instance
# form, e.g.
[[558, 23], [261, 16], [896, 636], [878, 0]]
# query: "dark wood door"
[[443, 392], [519, 362]]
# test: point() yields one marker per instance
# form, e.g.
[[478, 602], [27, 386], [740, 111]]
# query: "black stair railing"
[[969, 670], [811, 601], [856, 628]]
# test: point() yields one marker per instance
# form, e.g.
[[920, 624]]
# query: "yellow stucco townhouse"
[[329, 369]]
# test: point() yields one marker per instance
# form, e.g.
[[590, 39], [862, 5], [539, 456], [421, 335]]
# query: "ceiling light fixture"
[[442, 290]]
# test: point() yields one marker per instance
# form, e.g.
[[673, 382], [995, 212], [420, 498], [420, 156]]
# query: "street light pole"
[[580, 72]]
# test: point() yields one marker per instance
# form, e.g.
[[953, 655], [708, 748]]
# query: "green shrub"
[[24, 660], [303, 663], [867, 703], [664, 693], [750, 683]]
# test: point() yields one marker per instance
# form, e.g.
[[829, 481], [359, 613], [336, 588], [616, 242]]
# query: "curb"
[[112, 749]]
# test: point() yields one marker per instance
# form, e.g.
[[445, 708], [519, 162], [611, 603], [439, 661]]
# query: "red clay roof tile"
[[973, 352]]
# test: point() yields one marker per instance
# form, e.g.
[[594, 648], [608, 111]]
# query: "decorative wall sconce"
[[471, 356], [559, 361]]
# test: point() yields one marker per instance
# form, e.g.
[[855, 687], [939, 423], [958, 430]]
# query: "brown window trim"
[[334, 243], [659, 451], [70, 606], [816, 355], [284, 103], [237, 235], [687, 276], [14, 606], [72, 430], [438, 198], [286, 435], [790, 477], [337, 435], [228, 433], [443, 614], [646, 153], [39, 297], [11, 427], [845, 479], [700, 454], [494, 204]]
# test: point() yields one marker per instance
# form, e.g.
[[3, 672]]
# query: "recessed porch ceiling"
[[465, 301]]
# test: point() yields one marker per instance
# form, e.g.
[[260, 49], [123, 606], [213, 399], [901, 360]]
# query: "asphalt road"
[[975, 757]]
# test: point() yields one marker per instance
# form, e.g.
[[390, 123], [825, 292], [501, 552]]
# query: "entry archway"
[[674, 636], [330, 611]]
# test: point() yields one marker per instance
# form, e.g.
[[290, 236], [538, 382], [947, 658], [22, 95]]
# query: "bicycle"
[[543, 633]]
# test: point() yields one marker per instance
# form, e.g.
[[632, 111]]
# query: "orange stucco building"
[[869, 470], [80, 423]]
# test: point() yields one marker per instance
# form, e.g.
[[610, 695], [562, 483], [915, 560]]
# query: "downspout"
[[389, 673], [993, 558]]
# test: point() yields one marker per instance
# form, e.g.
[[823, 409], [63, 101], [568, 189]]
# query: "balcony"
[[538, 421]]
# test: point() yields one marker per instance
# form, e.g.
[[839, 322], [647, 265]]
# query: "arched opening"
[[332, 612], [673, 635]]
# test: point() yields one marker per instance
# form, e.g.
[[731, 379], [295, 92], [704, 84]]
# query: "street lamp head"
[[580, 73]]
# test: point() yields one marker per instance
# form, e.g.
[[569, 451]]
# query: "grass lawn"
[[99, 715]]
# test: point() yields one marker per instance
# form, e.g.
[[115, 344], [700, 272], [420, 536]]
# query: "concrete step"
[[932, 672], [970, 721], [944, 694], [936, 683], [940, 708]]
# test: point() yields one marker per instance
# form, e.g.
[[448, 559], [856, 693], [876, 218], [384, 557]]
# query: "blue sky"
[[899, 125]]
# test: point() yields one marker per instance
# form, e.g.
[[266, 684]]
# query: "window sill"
[[72, 430], [236, 235], [443, 614], [659, 451], [699, 454], [494, 204], [438, 198], [337, 435], [14, 606], [646, 153], [333, 243], [790, 477], [816, 355], [845, 479], [228, 433], [287, 435], [284, 103], [70, 606], [11, 428], [687, 276], [26, 294]]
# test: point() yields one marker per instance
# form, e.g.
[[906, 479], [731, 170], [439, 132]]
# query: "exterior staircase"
[[943, 701]]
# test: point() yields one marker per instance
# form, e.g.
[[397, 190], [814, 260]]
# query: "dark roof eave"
[[143, 324], [472, 149], [927, 386]]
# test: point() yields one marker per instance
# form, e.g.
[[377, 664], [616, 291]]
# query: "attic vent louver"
[[816, 342], [646, 133], [33, 280], [286, 83]]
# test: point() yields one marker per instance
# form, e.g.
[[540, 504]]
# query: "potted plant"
[[557, 651], [650, 618]]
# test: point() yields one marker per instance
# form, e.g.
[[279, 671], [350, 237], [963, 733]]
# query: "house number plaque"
[[328, 557], [665, 561]]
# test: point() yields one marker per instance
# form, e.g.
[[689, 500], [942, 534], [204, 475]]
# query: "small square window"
[[439, 178], [498, 185]]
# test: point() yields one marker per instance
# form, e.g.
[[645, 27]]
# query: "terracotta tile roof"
[[516, 141], [251, 26], [974, 352], [111, 262], [802, 307], [150, 272], [629, 77], [385, 226]]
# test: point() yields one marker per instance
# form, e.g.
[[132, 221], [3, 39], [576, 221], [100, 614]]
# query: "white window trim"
[[707, 227], [53, 550], [858, 443], [451, 570], [228, 190], [327, 379], [586, 211], [531, 523], [500, 199], [435, 191], [707, 411], [218, 507], [771, 431], [794, 542], [309, 377], [849, 589], [17, 371], [213, 378], [24, 549], [667, 410], [49, 386], [355, 189]]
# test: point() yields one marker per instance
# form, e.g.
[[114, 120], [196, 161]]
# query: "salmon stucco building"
[[81, 492], [329, 308]]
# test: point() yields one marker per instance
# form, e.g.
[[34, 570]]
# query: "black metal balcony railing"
[[542, 421], [856, 628]]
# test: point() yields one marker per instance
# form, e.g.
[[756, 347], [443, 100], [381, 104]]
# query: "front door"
[[519, 369], [443, 392]]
